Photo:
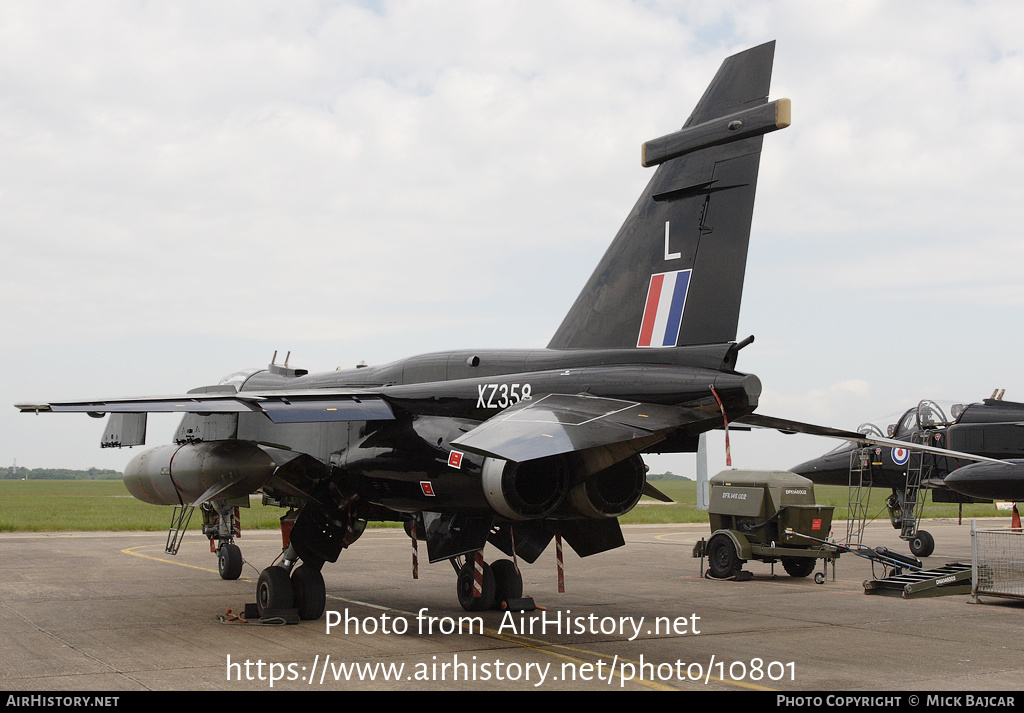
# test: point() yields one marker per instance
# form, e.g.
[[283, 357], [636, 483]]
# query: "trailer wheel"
[[923, 544], [819, 577], [723, 560], [798, 566]]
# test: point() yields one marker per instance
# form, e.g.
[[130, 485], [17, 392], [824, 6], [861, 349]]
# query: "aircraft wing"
[[309, 406], [563, 423], [787, 426]]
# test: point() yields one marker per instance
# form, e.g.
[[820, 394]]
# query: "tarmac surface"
[[112, 612]]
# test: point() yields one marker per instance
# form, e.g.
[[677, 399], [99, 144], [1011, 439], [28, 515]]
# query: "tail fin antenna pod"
[[673, 276], [741, 125]]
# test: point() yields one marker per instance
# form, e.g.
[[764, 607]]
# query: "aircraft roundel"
[[900, 455]]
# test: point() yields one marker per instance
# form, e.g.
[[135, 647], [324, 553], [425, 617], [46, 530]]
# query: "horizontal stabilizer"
[[652, 492], [562, 423], [787, 426]]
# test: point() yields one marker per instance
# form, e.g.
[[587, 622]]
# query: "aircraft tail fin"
[[673, 276]]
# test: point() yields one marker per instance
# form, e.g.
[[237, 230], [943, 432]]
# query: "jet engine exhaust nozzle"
[[612, 492], [524, 491]]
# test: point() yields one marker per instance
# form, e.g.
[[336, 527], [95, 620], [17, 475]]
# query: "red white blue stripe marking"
[[663, 314]]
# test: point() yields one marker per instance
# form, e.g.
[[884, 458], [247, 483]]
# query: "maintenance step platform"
[[954, 578]]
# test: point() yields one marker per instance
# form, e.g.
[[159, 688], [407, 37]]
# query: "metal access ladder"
[[180, 518], [953, 578], [913, 502], [859, 494], [919, 469]]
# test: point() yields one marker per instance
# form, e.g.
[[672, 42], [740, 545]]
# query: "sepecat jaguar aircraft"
[[508, 447]]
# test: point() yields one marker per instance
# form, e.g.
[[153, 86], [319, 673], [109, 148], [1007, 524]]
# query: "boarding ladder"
[[179, 523], [920, 468], [859, 494]]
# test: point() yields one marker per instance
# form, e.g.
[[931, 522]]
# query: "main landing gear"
[[285, 586], [481, 586], [288, 585]]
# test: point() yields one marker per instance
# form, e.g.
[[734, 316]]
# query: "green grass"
[[97, 505], [684, 492], [101, 505], [650, 511]]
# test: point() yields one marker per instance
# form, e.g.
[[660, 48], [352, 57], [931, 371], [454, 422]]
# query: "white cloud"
[[189, 184]]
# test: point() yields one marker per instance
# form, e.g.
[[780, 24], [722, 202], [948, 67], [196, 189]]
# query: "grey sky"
[[186, 187]]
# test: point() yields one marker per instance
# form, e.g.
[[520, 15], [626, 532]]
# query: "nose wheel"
[[922, 544], [229, 561]]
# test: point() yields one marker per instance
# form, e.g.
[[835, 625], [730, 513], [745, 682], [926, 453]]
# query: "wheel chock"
[[519, 604]]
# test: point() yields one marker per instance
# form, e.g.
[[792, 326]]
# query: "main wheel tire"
[[798, 566], [723, 560], [508, 582], [309, 593], [464, 586], [229, 561], [922, 544], [273, 590]]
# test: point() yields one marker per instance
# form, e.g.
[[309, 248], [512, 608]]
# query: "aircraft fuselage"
[[406, 463]]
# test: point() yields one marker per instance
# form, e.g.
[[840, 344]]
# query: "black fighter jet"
[[508, 447], [992, 428], [511, 448]]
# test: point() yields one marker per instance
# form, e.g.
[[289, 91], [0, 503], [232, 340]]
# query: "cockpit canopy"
[[238, 378], [927, 415]]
